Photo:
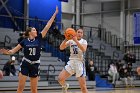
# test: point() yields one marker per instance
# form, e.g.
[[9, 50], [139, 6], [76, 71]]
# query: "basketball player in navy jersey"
[[30, 62]]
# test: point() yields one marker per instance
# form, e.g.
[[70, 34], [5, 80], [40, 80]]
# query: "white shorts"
[[76, 67]]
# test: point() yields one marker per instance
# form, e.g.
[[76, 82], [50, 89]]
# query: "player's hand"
[[4, 51], [56, 10]]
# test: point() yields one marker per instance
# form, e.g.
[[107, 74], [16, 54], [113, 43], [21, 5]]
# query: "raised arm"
[[47, 27], [12, 51]]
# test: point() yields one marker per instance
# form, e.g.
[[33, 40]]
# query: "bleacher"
[[102, 50], [49, 71]]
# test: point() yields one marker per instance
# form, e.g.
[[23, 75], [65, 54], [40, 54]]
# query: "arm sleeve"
[[84, 42], [22, 43]]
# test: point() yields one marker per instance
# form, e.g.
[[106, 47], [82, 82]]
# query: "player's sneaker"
[[65, 88]]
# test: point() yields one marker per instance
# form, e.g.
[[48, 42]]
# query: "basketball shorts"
[[31, 70], [76, 67]]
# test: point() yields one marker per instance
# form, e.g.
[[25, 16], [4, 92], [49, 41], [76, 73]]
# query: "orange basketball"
[[69, 33], [138, 70]]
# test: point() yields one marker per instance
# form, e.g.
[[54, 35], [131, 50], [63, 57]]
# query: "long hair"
[[27, 31]]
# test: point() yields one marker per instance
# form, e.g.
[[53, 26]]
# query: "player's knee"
[[83, 87], [60, 79], [84, 90]]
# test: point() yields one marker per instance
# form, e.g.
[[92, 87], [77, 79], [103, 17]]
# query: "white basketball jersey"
[[75, 51]]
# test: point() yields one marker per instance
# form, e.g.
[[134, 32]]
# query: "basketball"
[[138, 70], [69, 33], [1, 74]]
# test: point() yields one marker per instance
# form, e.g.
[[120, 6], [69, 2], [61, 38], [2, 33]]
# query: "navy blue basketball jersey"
[[32, 48]]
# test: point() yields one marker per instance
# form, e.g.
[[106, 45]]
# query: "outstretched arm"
[[12, 51], [46, 28]]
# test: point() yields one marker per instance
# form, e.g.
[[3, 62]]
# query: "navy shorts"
[[31, 70]]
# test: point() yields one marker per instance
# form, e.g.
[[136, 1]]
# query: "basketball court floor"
[[130, 90]]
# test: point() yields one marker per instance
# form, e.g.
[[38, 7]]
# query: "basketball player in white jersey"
[[75, 65]]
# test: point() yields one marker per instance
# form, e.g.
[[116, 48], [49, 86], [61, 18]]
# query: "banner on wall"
[[64, 0], [137, 28]]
